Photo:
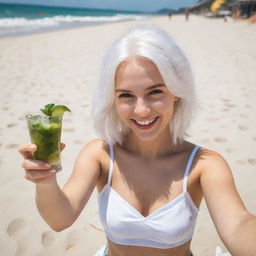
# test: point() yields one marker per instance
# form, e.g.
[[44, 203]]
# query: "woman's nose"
[[142, 107]]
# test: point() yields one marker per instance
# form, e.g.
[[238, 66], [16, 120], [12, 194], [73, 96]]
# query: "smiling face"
[[142, 100]]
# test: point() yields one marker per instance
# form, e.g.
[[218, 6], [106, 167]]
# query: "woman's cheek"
[[123, 109], [160, 105]]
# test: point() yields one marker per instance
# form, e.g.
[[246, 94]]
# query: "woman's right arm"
[[61, 207]]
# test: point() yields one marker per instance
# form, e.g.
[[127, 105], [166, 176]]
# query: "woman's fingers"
[[26, 150], [34, 175], [62, 146], [37, 171], [30, 164], [38, 176]]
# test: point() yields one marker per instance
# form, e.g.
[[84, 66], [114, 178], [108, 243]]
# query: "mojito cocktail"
[[45, 132]]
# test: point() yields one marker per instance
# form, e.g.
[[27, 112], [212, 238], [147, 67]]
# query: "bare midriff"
[[125, 250]]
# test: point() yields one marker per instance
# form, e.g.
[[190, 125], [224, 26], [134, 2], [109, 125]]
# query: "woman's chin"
[[147, 137]]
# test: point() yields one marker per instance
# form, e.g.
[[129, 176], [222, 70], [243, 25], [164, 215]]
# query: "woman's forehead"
[[136, 60], [138, 68]]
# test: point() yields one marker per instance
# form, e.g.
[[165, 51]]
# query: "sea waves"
[[56, 20], [8, 25]]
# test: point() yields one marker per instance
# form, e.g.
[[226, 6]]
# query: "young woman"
[[150, 179]]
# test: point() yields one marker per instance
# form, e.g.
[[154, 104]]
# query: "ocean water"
[[27, 19]]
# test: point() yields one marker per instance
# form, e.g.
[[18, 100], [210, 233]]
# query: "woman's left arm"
[[234, 224]]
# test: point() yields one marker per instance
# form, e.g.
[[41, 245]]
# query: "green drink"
[[45, 133]]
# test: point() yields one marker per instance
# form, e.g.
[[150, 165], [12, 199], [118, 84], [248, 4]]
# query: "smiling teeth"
[[145, 122]]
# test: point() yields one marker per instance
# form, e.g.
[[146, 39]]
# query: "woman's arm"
[[235, 225], [61, 207]]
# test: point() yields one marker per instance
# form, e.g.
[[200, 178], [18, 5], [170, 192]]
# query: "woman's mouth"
[[145, 124]]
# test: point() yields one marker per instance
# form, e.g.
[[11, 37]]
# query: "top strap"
[[111, 163], [188, 167]]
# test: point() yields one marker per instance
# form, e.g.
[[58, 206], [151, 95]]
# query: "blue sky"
[[140, 5]]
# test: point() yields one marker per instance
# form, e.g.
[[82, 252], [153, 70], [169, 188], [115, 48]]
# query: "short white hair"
[[157, 46]]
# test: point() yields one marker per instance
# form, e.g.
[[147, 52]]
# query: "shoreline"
[[59, 27], [49, 29]]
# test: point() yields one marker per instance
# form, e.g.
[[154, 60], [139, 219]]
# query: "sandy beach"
[[63, 66]]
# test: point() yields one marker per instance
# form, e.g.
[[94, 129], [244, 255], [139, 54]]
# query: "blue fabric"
[[103, 251]]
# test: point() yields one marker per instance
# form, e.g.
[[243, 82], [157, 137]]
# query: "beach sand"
[[63, 67]]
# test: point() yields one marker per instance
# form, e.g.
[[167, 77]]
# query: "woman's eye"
[[156, 91], [124, 95]]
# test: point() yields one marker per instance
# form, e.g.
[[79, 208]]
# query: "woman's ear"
[[176, 99]]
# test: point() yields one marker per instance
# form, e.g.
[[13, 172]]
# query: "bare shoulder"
[[217, 182], [210, 155], [90, 157], [210, 161], [219, 191], [94, 148], [95, 145], [88, 165]]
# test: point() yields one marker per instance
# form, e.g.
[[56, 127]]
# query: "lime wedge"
[[59, 110]]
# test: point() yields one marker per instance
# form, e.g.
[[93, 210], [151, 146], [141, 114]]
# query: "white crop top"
[[169, 226]]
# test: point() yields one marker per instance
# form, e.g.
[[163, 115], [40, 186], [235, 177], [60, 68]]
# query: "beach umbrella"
[[216, 5]]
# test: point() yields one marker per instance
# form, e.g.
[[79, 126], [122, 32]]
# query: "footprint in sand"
[[243, 128], [243, 115], [47, 241], [5, 108], [68, 129], [252, 161], [79, 142], [11, 146], [248, 106], [48, 238], [11, 125], [204, 141], [17, 230], [230, 105], [254, 138], [225, 109], [220, 139], [229, 150], [225, 100], [241, 162], [72, 239]]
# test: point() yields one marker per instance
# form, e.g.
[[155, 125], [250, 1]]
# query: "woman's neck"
[[152, 149]]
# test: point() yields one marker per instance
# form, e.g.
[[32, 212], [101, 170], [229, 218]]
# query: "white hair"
[[157, 46]]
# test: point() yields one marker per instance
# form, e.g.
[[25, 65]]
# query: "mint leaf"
[[48, 109]]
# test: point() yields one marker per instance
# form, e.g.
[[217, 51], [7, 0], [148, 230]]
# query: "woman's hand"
[[36, 171]]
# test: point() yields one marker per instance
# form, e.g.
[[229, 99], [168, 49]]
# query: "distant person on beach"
[[150, 178], [187, 14], [170, 15]]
